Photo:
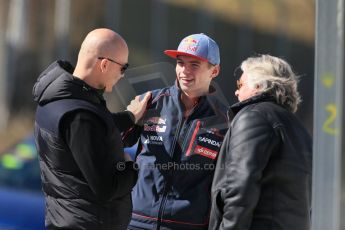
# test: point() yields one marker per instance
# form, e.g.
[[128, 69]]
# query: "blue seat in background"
[[21, 196]]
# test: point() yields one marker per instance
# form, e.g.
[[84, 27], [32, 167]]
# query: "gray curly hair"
[[274, 76]]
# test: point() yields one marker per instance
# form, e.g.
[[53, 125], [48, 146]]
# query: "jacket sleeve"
[[130, 132], [251, 145], [124, 120], [131, 136], [101, 164]]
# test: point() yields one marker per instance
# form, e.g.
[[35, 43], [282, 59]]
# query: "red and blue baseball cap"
[[199, 46]]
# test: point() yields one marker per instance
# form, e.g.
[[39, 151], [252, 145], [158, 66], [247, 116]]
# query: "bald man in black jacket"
[[86, 177]]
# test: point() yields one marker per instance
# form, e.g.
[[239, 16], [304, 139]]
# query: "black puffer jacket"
[[85, 180], [263, 175]]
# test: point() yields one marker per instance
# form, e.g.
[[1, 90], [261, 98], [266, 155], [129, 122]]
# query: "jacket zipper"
[[161, 208], [165, 190]]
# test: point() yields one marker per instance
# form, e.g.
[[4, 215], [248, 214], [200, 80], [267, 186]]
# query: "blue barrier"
[[21, 198]]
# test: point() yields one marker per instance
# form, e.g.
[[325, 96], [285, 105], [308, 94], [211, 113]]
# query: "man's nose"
[[185, 69]]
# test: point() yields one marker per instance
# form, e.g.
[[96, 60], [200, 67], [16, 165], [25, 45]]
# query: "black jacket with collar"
[[263, 175], [79, 147]]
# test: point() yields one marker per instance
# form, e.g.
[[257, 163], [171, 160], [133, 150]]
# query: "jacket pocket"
[[216, 211]]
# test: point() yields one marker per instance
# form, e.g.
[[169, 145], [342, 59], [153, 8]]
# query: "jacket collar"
[[57, 82], [235, 108], [204, 101]]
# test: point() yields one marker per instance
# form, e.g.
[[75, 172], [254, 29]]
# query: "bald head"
[[102, 42], [99, 43]]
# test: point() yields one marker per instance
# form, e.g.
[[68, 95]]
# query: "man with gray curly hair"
[[263, 175]]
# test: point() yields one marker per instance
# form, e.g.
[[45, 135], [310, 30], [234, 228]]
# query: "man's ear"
[[215, 71], [104, 64]]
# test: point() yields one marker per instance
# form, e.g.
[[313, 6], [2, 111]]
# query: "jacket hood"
[[57, 82]]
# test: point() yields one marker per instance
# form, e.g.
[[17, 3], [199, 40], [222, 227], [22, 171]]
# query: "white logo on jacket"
[[209, 141], [156, 140]]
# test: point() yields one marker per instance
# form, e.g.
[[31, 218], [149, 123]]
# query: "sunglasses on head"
[[239, 84], [237, 74]]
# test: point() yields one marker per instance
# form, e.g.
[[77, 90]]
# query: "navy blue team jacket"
[[177, 157]]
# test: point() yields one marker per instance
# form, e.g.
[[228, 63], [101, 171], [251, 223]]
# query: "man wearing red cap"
[[179, 141]]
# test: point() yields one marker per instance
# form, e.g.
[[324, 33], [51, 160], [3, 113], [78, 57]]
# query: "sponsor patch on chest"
[[155, 128], [156, 121], [155, 124], [209, 141], [205, 152], [155, 140]]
